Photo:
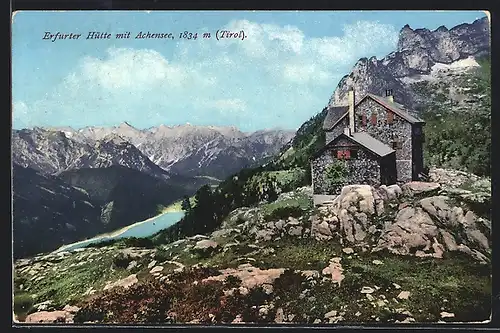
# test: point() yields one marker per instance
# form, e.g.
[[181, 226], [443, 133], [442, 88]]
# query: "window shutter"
[[397, 144], [374, 119], [390, 117], [363, 120]]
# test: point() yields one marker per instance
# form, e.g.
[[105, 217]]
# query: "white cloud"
[[136, 69], [276, 75], [129, 68], [360, 39], [285, 50]]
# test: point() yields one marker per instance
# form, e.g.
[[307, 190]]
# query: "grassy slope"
[[458, 119], [454, 284]]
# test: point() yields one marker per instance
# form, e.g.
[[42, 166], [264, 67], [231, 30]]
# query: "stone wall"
[[386, 133], [337, 130], [364, 169], [418, 150]]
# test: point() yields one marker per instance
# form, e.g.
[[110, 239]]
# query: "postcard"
[[251, 167]]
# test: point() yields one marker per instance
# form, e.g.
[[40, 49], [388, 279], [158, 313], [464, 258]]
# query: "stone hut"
[[375, 141]]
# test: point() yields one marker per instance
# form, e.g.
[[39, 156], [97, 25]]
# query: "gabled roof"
[[334, 115], [372, 144], [363, 139], [394, 107], [337, 113]]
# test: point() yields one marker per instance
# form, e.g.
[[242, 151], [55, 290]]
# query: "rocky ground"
[[419, 252]]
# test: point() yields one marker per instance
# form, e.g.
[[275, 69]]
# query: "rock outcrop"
[[352, 214], [411, 220], [65, 315], [418, 50]]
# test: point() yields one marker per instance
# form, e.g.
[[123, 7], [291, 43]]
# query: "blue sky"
[[282, 74]]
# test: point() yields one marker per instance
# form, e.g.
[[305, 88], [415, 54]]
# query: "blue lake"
[[139, 230]]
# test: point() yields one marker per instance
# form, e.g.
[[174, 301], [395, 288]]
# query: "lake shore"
[[174, 208], [106, 236]]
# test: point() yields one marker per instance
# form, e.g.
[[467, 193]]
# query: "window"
[[374, 119], [397, 144], [363, 120], [343, 154], [360, 120], [390, 117]]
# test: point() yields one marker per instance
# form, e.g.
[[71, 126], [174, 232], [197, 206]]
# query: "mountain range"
[[125, 174], [192, 151]]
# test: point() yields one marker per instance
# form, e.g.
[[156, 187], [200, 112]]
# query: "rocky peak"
[[418, 50], [442, 28], [114, 138], [126, 126]]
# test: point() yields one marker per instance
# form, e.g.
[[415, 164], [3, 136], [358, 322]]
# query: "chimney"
[[388, 94], [351, 111]]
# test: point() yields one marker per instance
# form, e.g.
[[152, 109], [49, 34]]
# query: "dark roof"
[[372, 144], [394, 107], [363, 139], [333, 116]]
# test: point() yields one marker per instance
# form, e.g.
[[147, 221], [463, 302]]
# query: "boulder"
[[335, 270], [205, 244], [348, 250], [330, 314], [279, 318], [280, 224], [151, 264], [449, 240], [404, 295], [71, 308], [250, 276], [412, 230], [445, 314], [437, 207], [132, 265], [367, 290], [295, 231], [390, 192], [416, 188], [323, 228], [125, 282], [197, 237], [50, 317], [156, 269], [351, 212], [320, 228], [264, 234]]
